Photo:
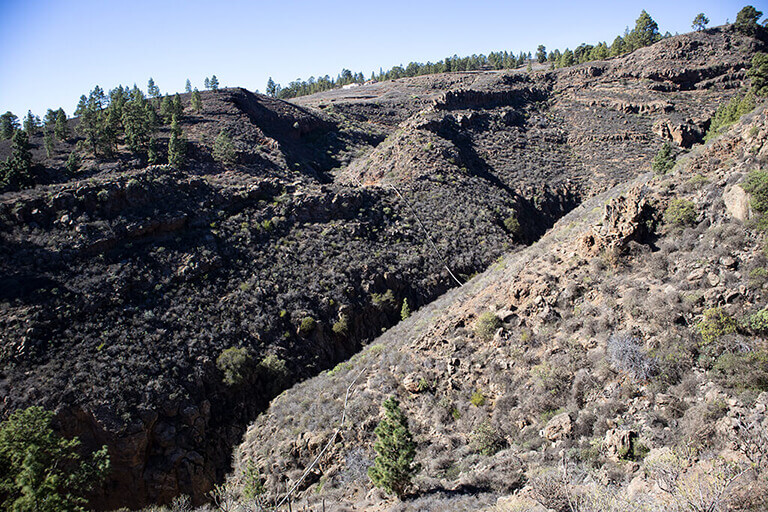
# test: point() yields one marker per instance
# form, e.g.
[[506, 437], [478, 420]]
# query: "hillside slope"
[[605, 355], [122, 285]]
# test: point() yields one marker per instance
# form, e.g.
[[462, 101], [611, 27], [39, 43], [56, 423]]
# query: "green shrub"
[[73, 162], [487, 440], [728, 113], [223, 149], [341, 326], [307, 325], [487, 325], [41, 471], [384, 300], [477, 399], [758, 322], [512, 225], [664, 160], [236, 364], [742, 371], [756, 184], [680, 212], [715, 324], [759, 74]]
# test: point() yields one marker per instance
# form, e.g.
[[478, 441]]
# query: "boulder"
[[559, 427], [737, 203]]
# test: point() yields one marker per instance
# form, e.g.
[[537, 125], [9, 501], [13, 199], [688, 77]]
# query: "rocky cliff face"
[[122, 285]]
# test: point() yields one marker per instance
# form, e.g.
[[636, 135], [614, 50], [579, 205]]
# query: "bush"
[[341, 326], [512, 225], [664, 160], [307, 325], [487, 325], [477, 399], [39, 470], [384, 300], [223, 149], [715, 324], [626, 355], [680, 212], [759, 73], [486, 440], [742, 371], [756, 184], [729, 113], [236, 364]]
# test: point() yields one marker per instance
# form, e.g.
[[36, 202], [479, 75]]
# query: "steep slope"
[[606, 348], [123, 284]]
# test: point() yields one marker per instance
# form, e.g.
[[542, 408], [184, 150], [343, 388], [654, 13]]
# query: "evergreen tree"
[[61, 130], [138, 121], [214, 83], [39, 470], [9, 123], [48, 142], [17, 170], [207, 83], [618, 47], [271, 87], [176, 106], [393, 467], [223, 149], [153, 155], [73, 162], [166, 109], [31, 123], [746, 20], [700, 22], [196, 102], [49, 121], [81, 105], [152, 90], [645, 33], [759, 73], [566, 59], [541, 54], [188, 86], [177, 144]]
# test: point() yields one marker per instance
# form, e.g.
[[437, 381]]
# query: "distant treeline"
[[645, 33]]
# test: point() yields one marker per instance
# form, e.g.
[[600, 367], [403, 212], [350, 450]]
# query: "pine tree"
[[214, 83], [188, 86], [81, 105], [207, 83], [196, 102], [177, 144], [759, 73], [746, 20], [9, 123], [645, 33], [61, 130], [49, 121], [393, 467], [17, 170], [271, 87], [700, 22], [541, 54], [31, 123], [137, 119], [42, 471], [223, 149], [48, 142], [153, 90], [166, 109]]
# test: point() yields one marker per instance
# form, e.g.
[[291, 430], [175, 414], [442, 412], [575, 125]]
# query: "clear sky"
[[51, 52]]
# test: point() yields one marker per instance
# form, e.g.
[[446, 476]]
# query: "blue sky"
[[51, 52]]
